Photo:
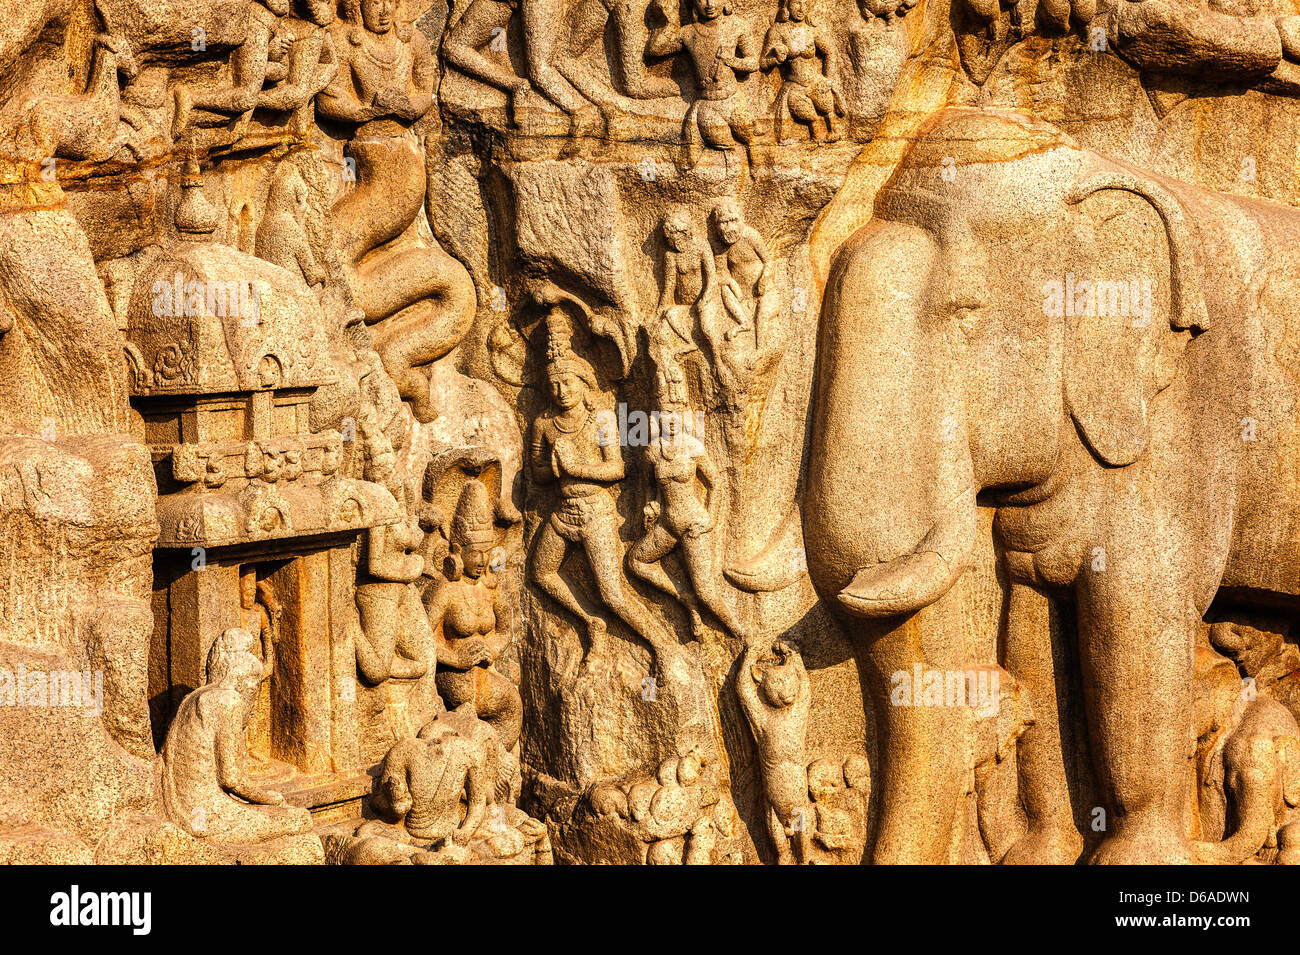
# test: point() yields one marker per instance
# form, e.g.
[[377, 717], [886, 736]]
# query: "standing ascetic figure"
[[472, 619], [393, 640], [571, 450], [259, 614], [418, 300]]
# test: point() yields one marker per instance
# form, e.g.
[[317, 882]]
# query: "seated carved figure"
[[455, 785], [205, 786], [810, 93], [469, 613]]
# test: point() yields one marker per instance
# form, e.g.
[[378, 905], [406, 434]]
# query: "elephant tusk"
[[778, 564]]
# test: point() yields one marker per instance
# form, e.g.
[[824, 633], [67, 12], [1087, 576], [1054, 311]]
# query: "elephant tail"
[[779, 563]]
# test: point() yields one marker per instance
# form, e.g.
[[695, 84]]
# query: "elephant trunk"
[[891, 516]]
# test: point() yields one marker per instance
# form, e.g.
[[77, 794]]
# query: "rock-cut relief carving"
[[775, 695], [676, 519], [206, 789], [473, 618], [809, 61], [418, 301], [722, 48], [572, 451]]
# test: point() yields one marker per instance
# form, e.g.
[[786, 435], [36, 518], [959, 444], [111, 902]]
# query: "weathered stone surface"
[[649, 432]]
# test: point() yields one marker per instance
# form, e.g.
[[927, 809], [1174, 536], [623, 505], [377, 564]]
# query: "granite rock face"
[[649, 432]]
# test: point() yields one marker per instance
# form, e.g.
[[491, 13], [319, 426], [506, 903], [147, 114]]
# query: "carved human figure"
[[471, 616], [687, 298], [775, 695], [282, 238], [422, 781], [204, 758], [259, 614], [810, 92], [245, 74], [676, 519], [721, 47], [746, 276], [294, 79], [484, 22], [392, 639], [458, 760], [689, 284], [418, 300], [569, 449]]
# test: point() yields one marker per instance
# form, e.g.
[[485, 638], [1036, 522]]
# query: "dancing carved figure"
[[472, 618], [676, 519], [569, 449], [721, 48], [775, 695], [810, 92], [417, 300], [204, 758]]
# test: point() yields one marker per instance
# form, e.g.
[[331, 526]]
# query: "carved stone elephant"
[[1253, 789], [1110, 360]]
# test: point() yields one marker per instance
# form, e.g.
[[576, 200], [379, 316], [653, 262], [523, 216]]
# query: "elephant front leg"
[[1040, 763], [923, 749], [1136, 646]]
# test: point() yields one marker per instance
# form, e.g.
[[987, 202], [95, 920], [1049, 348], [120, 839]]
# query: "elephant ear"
[[1130, 231]]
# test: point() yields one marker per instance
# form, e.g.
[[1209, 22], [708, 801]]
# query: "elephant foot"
[[1144, 845], [1046, 845]]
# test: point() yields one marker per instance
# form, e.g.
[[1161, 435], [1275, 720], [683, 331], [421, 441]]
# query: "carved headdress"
[[560, 356], [474, 521]]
